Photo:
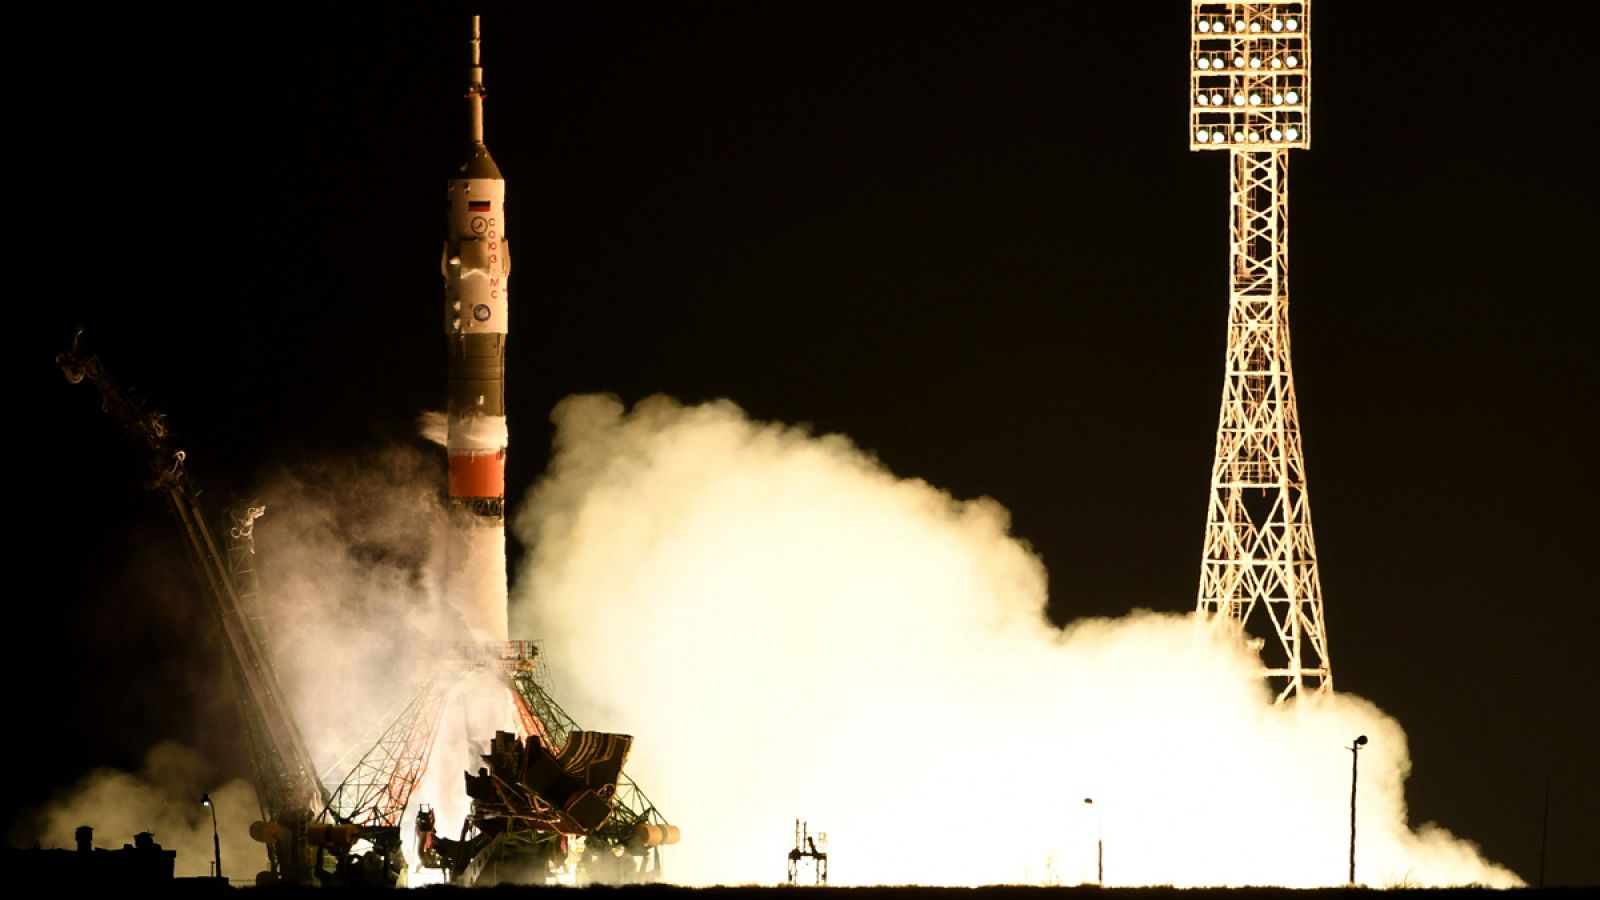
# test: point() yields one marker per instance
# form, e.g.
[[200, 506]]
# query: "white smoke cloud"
[[792, 631], [163, 798]]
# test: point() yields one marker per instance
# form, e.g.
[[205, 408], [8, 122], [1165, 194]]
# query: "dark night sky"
[[970, 237]]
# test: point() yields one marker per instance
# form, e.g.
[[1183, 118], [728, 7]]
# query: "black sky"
[[970, 237]]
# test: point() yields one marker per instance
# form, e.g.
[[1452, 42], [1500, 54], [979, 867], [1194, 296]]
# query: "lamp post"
[[216, 843], [1099, 843], [1355, 757]]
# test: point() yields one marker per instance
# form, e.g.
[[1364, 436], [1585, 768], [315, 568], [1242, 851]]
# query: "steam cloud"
[[792, 631]]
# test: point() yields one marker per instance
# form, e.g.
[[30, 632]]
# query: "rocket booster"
[[476, 267]]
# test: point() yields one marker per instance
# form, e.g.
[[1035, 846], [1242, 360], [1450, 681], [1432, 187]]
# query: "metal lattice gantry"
[[1250, 94]]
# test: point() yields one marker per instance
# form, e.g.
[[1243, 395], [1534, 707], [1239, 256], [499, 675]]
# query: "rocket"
[[476, 267]]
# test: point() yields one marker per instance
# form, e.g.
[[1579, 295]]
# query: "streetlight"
[[1355, 757], [1099, 844], [216, 843]]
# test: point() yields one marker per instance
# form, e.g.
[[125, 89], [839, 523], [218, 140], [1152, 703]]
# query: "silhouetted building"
[[142, 863]]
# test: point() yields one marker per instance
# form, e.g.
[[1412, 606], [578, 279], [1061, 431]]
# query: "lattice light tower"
[[1250, 94]]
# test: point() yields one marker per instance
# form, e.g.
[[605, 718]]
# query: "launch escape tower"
[[1250, 94]]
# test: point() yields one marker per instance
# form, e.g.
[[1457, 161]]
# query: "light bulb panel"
[[1273, 41]]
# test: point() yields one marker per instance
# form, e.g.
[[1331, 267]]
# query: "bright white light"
[[1255, 62], [1218, 63], [1255, 99], [1202, 135], [1277, 63], [1238, 24], [1238, 99], [1238, 135], [1206, 26], [1255, 27], [1294, 24], [1277, 98], [1217, 26], [1202, 99], [1276, 134], [1204, 63], [1218, 137], [1238, 62], [1254, 137], [1216, 99], [1293, 133], [1292, 61], [1277, 25], [1292, 97]]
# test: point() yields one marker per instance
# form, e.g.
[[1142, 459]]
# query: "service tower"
[[1250, 95], [477, 267]]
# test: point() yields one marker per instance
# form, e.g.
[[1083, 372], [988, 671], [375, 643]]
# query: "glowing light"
[[1202, 135], [1216, 99], [1292, 97], [1255, 27], [1277, 63], [1255, 62], [1294, 25], [1255, 99], [1238, 99], [1254, 137], [1238, 136], [1238, 62], [1292, 61], [1238, 24], [1292, 133], [1204, 26], [1277, 25], [1275, 134], [1218, 136], [1277, 99], [1204, 63], [1202, 99]]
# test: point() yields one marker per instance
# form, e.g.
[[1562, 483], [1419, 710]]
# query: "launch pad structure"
[[1250, 95]]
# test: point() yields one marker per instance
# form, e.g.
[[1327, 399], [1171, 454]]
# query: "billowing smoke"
[[348, 554], [792, 631], [163, 798], [351, 555]]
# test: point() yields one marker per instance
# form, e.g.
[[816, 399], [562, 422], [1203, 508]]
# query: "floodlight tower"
[[1250, 94]]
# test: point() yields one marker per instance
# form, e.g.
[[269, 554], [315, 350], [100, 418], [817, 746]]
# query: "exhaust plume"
[[793, 631]]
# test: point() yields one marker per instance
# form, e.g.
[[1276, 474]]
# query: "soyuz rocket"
[[476, 267]]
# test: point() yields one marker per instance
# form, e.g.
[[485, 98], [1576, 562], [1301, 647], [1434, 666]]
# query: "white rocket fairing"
[[477, 267]]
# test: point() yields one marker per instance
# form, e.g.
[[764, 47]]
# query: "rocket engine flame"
[[792, 630]]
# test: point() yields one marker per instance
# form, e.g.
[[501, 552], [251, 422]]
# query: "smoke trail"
[[163, 797], [790, 630]]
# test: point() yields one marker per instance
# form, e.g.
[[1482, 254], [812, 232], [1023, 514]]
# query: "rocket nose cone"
[[480, 164]]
